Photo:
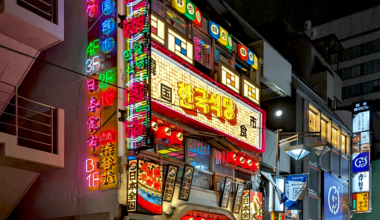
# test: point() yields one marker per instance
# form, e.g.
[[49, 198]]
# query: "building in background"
[[162, 112], [311, 112]]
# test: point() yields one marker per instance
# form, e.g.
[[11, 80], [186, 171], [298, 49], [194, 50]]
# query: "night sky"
[[296, 12]]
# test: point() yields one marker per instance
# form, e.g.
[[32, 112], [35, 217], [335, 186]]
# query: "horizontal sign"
[[188, 94]]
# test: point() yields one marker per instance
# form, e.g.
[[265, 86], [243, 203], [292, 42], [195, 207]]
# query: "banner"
[[280, 194], [295, 188]]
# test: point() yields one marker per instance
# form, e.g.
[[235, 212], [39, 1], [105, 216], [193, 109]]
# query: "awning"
[[182, 209], [218, 141]]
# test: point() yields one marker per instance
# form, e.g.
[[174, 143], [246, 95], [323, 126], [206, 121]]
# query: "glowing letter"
[[93, 104], [105, 78], [92, 85], [186, 92], [92, 123], [202, 101], [107, 97], [134, 128], [134, 93], [216, 104], [91, 164], [229, 112], [93, 142]]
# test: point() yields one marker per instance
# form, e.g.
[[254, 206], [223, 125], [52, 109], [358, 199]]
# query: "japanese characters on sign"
[[187, 179], [189, 10], [360, 182], [101, 169], [360, 202], [144, 188], [332, 197], [238, 198], [252, 203], [187, 94], [136, 32], [170, 181], [227, 189]]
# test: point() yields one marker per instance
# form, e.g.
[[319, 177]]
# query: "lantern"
[[230, 158], [154, 126], [163, 132], [199, 218], [187, 218], [240, 160], [255, 166], [176, 138], [248, 164]]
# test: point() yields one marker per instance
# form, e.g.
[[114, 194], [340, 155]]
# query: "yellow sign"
[[188, 94], [362, 202]]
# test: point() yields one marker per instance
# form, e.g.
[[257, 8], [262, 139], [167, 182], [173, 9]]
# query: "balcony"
[[31, 133]]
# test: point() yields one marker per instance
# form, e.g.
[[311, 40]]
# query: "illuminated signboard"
[[252, 203], [189, 10], [101, 163], [144, 188], [360, 202], [187, 94], [248, 56], [361, 122], [220, 34], [360, 182], [360, 162], [136, 32], [332, 197]]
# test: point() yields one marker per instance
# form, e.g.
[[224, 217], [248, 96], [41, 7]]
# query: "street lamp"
[[278, 113]]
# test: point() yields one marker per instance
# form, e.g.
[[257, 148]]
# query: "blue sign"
[[332, 198], [295, 188], [214, 30], [360, 162]]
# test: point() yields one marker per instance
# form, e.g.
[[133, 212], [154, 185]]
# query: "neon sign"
[[136, 29], [101, 169]]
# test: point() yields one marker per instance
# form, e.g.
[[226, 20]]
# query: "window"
[[312, 121], [199, 154], [335, 137], [333, 58], [324, 130], [344, 144], [219, 167], [202, 48], [222, 55], [177, 21], [177, 154]]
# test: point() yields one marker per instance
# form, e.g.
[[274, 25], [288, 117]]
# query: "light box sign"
[[360, 162], [360, 202], [361, 122], [136, 32], [189, 96], [101, 163], [144, 188], [252, 203], [332, 197], [360, 182]]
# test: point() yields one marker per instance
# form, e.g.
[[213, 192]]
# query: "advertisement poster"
[[360, 162], [295, 187], [332, 197], [361, 141], [252, 203], [360, 182]]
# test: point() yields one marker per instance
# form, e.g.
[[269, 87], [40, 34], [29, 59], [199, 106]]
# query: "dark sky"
[[296, 12]]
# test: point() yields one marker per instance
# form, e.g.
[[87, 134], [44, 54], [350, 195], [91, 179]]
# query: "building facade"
[[163, 116]]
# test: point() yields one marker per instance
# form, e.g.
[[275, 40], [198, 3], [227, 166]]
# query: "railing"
[[30, 121], [44, 8]]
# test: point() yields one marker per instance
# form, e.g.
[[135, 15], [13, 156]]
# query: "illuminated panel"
[[187, 94], [100, 165], [242, 52], [251, 92], [179, 5], [198, 17], [190, 10], [230, 79], [252, 203], [144, 191], [229, 42], [158, 30], [214, 30], [223, 37], [180, 46], [136, 74]]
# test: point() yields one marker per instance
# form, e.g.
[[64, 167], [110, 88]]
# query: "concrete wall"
[[64, 192]]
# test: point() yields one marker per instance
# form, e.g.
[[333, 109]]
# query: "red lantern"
[[176, 138], [240, 161], [230, 158], [199, 218], [248, 164], [255, 166], [187, 218], [163, 132]]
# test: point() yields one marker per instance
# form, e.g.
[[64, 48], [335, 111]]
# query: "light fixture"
[[320, 148], [297, 151], [278, 113]]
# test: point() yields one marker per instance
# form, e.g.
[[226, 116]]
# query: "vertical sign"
[[227, 189], [144, 192], [238, 198], [101, 70], [171, 178], [136, 32], [332, 197], [187, 179], [251, 205], [361, 161]]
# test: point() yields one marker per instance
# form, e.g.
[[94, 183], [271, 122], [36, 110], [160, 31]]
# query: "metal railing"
[[44, 8], [30, 121]]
